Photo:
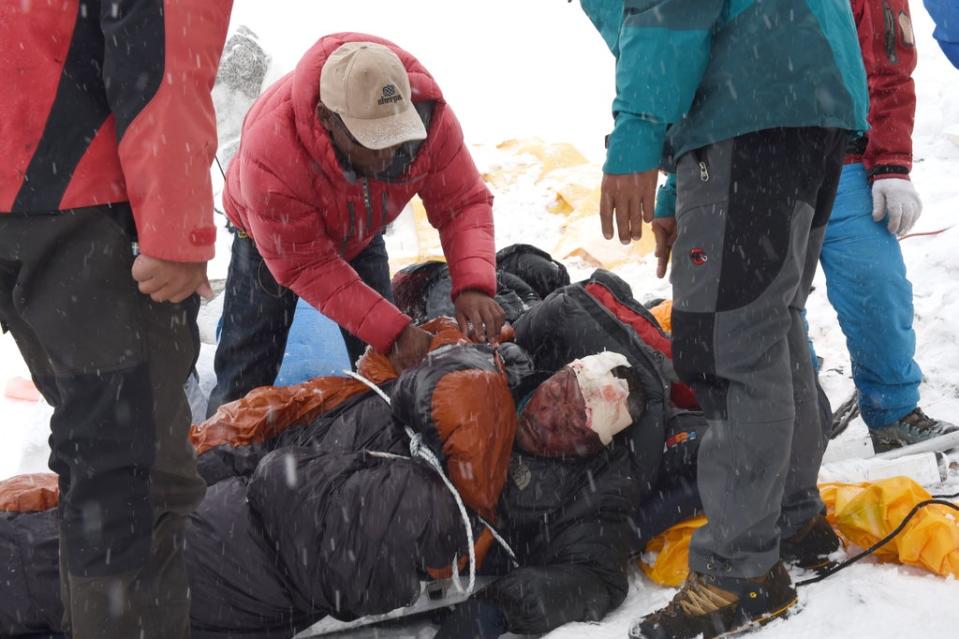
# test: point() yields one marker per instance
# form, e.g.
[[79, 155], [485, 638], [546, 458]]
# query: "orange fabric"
[[481, 546], [29, 493], [663, 312], [267, 411], [376, 366], [475, 417]]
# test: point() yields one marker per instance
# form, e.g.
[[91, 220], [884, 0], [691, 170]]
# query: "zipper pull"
[[703, 172], [366, 193]]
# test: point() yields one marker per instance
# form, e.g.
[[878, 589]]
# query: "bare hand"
[[479, 316], [410, 348], [664, 229], [166, 281], [632, 199]]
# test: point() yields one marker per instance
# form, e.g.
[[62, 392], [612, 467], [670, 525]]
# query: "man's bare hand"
[[664, 229], [479, 316], [629, 199], [166, 281], [410, 348]]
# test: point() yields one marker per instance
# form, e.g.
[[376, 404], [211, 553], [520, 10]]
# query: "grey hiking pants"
[[751, 215], [112, 363]]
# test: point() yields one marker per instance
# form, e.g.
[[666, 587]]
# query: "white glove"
[[897, 200]]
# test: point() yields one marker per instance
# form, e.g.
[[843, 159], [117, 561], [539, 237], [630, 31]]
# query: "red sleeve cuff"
[[381, 333], [473, 274], [197, 246]]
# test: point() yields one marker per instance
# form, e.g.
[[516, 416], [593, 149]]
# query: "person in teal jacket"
[[751, 104]]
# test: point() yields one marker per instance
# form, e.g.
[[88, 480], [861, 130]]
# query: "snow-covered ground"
[[536, 68]]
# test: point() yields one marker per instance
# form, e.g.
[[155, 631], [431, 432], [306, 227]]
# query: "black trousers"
[[112, 364], [258, 313]]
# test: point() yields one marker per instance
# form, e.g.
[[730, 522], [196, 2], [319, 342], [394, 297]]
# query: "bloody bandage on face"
[[577, 411]]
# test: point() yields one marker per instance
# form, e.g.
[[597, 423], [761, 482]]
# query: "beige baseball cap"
[[367, 85]]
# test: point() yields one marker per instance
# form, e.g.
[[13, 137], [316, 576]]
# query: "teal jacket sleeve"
[[666, 197], [607, 17], [662, 49]]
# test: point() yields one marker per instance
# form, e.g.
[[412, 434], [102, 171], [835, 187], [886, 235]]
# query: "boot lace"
[[697, 599]]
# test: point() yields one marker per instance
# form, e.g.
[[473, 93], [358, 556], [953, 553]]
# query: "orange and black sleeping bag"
[[313, 505]]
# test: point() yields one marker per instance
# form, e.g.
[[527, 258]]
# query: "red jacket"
[[114, 106], [286, 188], [889, 52]]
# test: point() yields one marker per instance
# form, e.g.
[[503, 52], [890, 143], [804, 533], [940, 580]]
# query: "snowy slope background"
[[537, 69]]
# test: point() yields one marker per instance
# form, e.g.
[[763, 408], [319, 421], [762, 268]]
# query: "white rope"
[[373, 387], [417, 449], [496, 536], [502, 542]]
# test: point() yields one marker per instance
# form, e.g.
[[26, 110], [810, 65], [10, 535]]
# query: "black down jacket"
[[605, 507], [524, 276], [601, 314]]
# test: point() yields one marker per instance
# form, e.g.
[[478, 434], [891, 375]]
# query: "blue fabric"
[[314, 348], [258, 314], [666, 197], [867, 285], [693, 72], [945, 13]]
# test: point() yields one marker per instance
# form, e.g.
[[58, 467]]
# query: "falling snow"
[[523, 69]]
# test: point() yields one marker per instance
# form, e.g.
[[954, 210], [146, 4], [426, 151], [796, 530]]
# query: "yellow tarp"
[[862, 514], [572, 186], [671, 565], [532, 153]]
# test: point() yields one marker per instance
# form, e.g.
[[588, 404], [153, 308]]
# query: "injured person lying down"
[[545, 462]]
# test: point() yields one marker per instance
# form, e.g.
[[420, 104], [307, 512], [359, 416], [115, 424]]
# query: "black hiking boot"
[[711, 607], [811, 547], [913, 428]]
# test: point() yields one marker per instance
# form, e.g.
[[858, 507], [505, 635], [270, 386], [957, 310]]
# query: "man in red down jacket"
[[329, 156], [107, 133]]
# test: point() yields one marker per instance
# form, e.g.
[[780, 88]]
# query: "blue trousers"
[[866, 284]]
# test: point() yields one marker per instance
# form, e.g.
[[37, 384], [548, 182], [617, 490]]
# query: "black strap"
[[888, 169], [857, 145]]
